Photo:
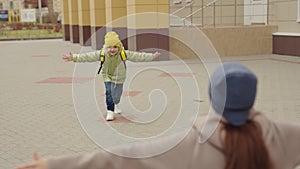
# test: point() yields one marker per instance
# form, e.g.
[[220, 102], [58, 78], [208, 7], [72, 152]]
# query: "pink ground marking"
[[118, 119], [128, 93], [65, 80], [40, 55], [177, 74]]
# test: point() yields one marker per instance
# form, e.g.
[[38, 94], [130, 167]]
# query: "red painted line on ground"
[[118, 119], [177, 74], [40, 55], [283, 60], [131, 93], [224, 61], [65, 80], [128, 93], [194, 63]]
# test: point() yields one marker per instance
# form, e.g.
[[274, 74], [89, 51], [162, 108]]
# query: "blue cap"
[[232, 92]]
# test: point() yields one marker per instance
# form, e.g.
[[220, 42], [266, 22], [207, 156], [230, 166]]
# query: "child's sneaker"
[[110, 115], [117, 109]]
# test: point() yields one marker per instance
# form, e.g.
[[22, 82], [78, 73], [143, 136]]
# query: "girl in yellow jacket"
[[114, 68]]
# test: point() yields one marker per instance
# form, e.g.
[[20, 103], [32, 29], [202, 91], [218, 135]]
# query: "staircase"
[[213, 13]]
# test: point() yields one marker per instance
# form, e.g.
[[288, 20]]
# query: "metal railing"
[[182, 8], [213, 17], [201, 9]]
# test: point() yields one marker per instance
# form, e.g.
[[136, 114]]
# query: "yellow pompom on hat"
[[112, 39]]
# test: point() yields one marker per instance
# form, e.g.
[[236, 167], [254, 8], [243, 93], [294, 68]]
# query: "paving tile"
[[42, 118]]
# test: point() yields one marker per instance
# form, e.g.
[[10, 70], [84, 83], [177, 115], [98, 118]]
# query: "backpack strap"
[[102, 59], [123, 56]]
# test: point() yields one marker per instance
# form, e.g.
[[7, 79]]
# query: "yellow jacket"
[[113, 68]]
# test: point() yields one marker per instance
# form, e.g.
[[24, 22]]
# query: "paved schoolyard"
[[43, 98]]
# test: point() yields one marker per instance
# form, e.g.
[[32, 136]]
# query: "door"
[[259, 11], [255, 12]]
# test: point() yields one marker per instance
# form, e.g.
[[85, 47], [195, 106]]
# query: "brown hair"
[[244, 147]]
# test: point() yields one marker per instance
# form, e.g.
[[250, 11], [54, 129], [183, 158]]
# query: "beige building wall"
[[98, 22], [147, 29], [74, 21], [97, 13], [65, 20], [84, 22], [281, 13], [229, 41], [116, 19], [284, 14], [148, 26], [116, 12], [241, 41], [147, 21]]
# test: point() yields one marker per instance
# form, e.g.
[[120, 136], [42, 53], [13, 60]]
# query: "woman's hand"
[[68, 57], [39, 163]]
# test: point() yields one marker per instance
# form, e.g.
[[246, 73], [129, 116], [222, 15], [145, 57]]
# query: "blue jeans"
[[113, 94]]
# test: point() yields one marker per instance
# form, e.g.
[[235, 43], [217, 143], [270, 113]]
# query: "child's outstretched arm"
[[68, 57], [141, 56], [82, 57], [102, 159], [156, 54]]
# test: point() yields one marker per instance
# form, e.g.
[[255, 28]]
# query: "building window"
[[11, 5]]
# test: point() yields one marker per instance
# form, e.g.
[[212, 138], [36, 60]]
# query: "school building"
[[235, 27]]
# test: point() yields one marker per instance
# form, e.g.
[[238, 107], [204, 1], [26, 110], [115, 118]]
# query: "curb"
[[33, 38]]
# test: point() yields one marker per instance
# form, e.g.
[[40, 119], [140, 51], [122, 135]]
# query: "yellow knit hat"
[[112, 39]]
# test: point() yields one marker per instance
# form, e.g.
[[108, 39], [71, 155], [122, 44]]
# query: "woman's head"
[[232, 92], [112, 43]]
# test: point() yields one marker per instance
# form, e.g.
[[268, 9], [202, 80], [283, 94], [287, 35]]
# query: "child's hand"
[[68, 57], [38, 163], [155, 55]]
